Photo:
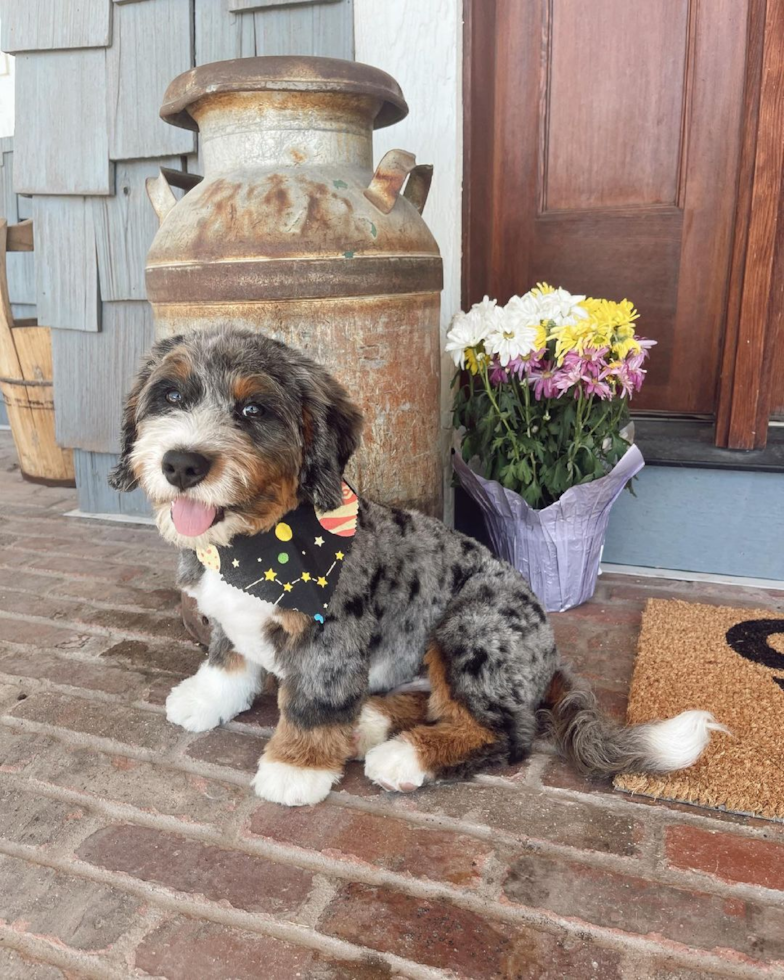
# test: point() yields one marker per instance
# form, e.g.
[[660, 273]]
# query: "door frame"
[[754, 310]]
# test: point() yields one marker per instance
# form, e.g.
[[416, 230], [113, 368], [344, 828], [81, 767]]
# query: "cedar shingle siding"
[[89, 82]]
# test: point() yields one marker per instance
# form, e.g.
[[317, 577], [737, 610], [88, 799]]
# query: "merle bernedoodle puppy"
[[240, 443]]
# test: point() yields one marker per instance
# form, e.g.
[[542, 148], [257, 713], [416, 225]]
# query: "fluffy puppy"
[[228, 431]]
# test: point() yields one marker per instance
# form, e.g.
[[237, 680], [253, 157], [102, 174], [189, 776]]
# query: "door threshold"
[[678, 575]]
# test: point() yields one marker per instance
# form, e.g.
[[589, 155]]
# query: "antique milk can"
[[292, 233]]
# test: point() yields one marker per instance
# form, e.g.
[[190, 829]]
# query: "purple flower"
[[498, 375], [543, 379]]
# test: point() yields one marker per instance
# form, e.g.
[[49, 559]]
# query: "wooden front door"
[[603, 153]]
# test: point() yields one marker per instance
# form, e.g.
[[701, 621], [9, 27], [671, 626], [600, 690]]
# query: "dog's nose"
[[184, 470]]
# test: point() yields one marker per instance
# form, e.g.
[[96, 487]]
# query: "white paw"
[[279, 782], [395, 766], [211, 697], [372, 729]]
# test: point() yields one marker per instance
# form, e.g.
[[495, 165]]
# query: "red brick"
[[72, 911], [560, 774], [74, 549], [232, 749], [184, 949], [19, 578], [151, 788], [243, 880], [263, 714], [27, 819], [442, 935], [19, 749], [41, 634], [73, 611], [103, 591], [373, 839], [182, 660], [727, 856], [133, 726], [14, 966], [526, 812], [74, 673], [635, 905]]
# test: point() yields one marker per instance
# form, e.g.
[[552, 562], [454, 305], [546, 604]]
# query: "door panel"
[[612, 76], [603, 147]]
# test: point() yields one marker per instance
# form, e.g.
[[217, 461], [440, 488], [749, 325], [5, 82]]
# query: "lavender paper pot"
[[557, 549]]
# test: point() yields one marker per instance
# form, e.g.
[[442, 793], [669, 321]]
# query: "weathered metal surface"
[[290, 232], [290, 74]]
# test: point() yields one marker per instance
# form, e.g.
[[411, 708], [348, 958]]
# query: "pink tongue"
[[190, 517]]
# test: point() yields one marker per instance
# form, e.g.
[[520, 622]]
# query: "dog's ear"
[[331, 426], [121, 477]]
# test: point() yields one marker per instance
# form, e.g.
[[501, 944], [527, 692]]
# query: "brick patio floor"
[[129, 848]]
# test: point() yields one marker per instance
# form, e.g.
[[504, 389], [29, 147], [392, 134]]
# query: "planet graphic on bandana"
[[343, 520], [209, 557]]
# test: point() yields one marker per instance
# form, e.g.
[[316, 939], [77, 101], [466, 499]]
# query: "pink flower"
[[593, 386], [498, 375], [543, 379]]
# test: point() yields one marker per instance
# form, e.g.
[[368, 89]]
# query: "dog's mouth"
[[192, 518]]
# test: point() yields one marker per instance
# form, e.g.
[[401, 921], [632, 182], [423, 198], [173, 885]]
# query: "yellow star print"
[[339, 555], [235, 563], [269, 575], [288, 587], [306, 576], [321, 581]]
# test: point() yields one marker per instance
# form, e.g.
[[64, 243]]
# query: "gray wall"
[[89, 84], [728, 522]]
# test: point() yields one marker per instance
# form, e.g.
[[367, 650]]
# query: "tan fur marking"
[[177, 364], [233, 662], [325, 747], [248, 387], [404, 711], [456, 734]]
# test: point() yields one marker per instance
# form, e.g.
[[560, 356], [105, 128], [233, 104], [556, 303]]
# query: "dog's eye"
[[173, 396], [252, 410]]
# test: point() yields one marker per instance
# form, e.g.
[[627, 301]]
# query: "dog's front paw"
[[210, 697], [280, 782], [395, 766]]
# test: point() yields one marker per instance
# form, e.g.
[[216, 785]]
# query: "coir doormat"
[[729, 662]]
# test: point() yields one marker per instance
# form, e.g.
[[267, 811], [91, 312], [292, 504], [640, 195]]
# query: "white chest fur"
[[241, 616]]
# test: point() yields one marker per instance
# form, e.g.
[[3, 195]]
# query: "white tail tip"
[[678, 742]]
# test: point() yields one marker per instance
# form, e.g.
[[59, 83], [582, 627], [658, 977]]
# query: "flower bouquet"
[[542, 396]]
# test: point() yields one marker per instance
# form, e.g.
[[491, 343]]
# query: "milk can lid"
[[282, 74]]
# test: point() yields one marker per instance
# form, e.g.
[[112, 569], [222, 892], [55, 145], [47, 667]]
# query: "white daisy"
[[514, 334], [561, 306], [469, 330]]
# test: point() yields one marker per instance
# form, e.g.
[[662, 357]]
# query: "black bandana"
[[297, 564]]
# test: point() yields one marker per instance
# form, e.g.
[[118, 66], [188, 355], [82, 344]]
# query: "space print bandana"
[[296, 564]]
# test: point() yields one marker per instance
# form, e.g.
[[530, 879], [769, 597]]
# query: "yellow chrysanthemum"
[[623, 347], [605, 313], [474, 360], [542, 289], [541, 337], [573, 337]]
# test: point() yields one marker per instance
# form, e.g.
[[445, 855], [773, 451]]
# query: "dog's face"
[[226, 430]]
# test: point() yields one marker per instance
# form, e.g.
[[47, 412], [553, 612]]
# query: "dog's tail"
[[599, 746]]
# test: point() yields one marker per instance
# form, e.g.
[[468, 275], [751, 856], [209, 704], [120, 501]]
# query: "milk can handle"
[[387, 182], [159, 189], [418, 185]]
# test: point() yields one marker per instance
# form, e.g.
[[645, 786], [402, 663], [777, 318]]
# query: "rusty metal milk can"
[[290, 232]]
